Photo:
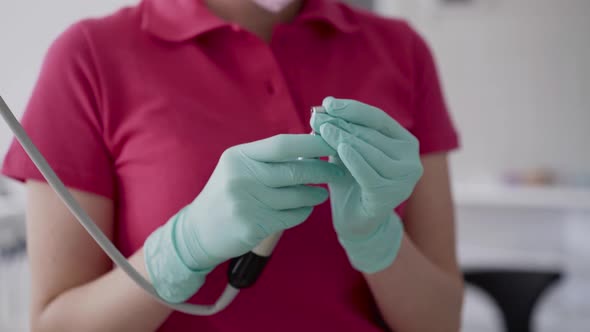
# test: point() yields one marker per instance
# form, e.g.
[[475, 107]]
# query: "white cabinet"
[[530, 228]]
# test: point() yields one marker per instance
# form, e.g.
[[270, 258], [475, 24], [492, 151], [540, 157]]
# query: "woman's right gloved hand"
[[257, 189]]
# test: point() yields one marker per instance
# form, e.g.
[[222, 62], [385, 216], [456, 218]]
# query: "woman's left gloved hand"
[[383, 163]]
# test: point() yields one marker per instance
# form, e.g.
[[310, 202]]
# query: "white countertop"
[[477, 257], [503, 195]]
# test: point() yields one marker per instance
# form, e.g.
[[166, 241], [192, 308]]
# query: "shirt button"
[[270, 88]]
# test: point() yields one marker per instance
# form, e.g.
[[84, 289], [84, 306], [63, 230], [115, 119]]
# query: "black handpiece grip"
[[244, 270]]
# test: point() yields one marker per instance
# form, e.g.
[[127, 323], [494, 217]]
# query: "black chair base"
[[516, 292]]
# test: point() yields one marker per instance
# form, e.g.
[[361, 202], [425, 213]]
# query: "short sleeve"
[[433, 125], [63, 119]]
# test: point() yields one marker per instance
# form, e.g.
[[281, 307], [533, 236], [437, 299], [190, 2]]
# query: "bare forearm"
[[415, 295], [112, 302]]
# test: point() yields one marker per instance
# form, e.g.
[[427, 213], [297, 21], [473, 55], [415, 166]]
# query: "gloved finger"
[[366, 115], [394, 148], [358, 167], [292, 173], [286, 147], [318, 119], [376, 159], [286, 219], [287, 198], [398, 149]]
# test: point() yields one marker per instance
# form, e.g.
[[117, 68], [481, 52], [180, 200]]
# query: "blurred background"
[[516, 74]]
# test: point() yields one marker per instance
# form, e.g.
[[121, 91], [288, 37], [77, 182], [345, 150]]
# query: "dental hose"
[[242, 273], [103, 241]]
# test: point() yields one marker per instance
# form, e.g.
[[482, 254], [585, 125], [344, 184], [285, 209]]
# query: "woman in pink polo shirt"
[[177, 126]]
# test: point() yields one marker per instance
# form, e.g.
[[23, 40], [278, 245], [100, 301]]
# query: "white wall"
[[517, 77], [27, 28]]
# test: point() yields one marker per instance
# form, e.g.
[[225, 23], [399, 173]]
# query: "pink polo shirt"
[[138, 106]]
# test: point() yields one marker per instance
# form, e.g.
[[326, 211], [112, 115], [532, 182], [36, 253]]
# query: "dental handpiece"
[[243, 271]]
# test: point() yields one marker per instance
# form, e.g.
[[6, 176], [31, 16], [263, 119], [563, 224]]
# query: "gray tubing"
[[107, 246]]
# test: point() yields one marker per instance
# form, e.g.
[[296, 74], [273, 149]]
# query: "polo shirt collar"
[[179, 20]]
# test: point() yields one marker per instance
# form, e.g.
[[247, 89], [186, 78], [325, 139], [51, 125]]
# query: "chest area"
[[232, 89], [168, 129]]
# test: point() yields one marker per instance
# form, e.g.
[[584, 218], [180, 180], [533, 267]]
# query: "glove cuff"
[[188, 244], [378, 251], [171, 278]]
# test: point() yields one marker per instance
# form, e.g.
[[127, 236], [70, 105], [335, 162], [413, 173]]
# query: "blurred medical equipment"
[[546, 177], [13, 265], [14, 283], [12, 229], [243, 272]]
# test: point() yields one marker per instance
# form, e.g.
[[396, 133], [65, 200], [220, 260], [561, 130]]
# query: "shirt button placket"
[[280, 109]]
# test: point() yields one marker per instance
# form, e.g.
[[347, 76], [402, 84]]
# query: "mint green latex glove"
[[256, 189], [383, 163]]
